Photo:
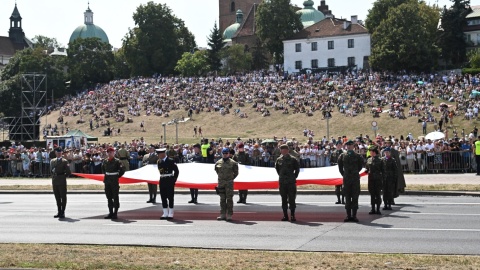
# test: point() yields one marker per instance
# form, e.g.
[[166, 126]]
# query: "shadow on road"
[[69, 220]]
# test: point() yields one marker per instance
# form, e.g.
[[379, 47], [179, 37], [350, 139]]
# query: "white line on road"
[[149, 225], [428, 229], [434, 214]]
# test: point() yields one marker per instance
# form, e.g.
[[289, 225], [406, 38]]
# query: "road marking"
[[436, 214], [148, 225], [429, 229]]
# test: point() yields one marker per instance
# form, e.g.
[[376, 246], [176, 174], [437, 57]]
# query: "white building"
[[331, 44], [472, 30]]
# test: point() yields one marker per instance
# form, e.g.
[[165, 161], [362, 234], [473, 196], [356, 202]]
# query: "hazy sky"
[[58, 18]]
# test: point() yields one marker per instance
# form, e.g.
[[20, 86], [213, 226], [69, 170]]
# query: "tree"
[[474, 58], [404, 39], [451, 36], [378, 13], [237, 59], [90, 61], [46, 43], [273, 28], [193, 64], [259, 56], [157, 42], [30, 61], [120, 66], [216, 44]]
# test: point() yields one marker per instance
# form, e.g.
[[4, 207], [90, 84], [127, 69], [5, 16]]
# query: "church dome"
[[232, 29], [309, 15], [88, 29]]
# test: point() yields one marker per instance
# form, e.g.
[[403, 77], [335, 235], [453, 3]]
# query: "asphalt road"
[[418, 224]]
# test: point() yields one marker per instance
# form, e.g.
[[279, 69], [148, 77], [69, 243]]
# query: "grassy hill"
[[229, 126]]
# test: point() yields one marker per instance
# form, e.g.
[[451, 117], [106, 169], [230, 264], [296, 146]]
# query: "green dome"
[[88, 29], [309, 15], [232, 29]]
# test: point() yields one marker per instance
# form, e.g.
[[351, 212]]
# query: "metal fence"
[[444, 162]]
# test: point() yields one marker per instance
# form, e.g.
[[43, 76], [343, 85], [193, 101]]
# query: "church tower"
[[228, 11], [16, 33]]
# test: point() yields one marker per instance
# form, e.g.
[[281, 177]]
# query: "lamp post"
[[164, 132], [328, 115], [176, 130]]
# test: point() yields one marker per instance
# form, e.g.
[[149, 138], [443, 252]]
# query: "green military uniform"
[[376, 173], [123, 155], [338, 188], [244, 159], [288, 168], [151, 158], [349, 165], [112, 169], [400, 183], [227, 171], [389, 181], [60, 169]]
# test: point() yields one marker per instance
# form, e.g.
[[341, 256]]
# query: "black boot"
[[110, 213], [343, 199], [338, 200], [349, 215], [59, 211], [354, 215], [292, 213], [378, 210], [240, 196], [114, 216], [285, 215], [245, 198], [373, 210]]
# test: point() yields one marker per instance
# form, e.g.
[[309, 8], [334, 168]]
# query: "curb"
[[263, 192]]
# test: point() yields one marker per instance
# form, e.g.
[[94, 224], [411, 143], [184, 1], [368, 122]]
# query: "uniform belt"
[[166, 175], [111, 173], [123, 158]]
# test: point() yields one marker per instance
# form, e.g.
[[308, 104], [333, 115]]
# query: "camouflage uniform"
[[123, 155], [113, 170], [389, 182], [244, 159], [288, 168], [376, 172], [227, 171], [349, 165], [338, 188], [60, 170]]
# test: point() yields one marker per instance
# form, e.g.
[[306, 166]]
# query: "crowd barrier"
[[444, 162]]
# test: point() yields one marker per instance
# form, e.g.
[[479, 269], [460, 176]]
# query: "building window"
[[298, 64], [314, 63], [330, 45], [298, 47], [232, 6], [351, 61], [314, 46], [351, 44], [331, 62]]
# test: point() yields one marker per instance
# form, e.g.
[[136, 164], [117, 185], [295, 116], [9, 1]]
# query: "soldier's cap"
[[110, 149], [58, 149], [196, 145], [160, 150], [241, 145], [226, 150], [387, 149], [152, 146], [283, 146], [350, 142]]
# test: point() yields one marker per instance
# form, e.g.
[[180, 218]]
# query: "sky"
[[58, 18]]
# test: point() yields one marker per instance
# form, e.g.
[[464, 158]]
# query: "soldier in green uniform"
[[376, 173], [60, 170], [400, 180], [390, 178], [334, 161], [227, 171], [113, 169], [288, 168], [349, 165], [123, 155], [242, 158], [151, 158]]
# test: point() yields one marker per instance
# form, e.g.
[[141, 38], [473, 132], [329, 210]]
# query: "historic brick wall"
[[227, 11]]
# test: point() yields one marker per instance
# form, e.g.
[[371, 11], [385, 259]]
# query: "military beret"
[[350, 142], [110, 149], [283, 146], [225, 150], [58, 149], [241, 145]]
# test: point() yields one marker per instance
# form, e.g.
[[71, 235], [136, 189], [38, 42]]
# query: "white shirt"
[[419, 149]]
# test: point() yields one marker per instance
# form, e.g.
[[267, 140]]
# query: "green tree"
[[193, 64], [216, 44], [405, 39], [237, 59], [378, 13], [90, 61], [46, 43], [273, 28], [157, 42], [474, 58], [30, 61], [121, 69], [451, 36], [259, 56]]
